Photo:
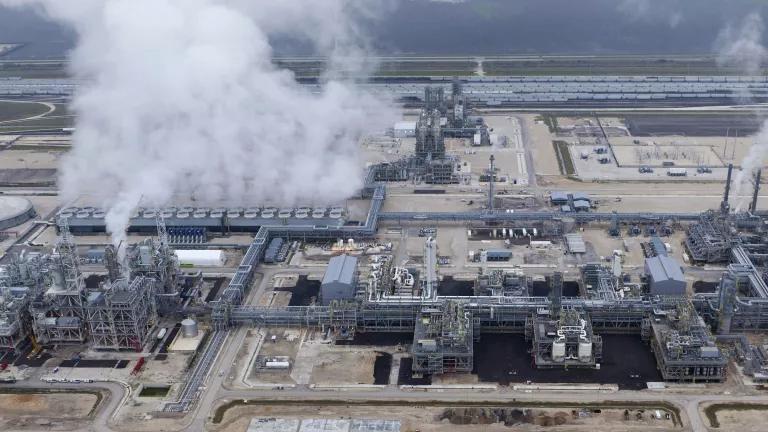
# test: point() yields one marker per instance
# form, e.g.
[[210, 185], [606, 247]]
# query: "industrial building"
[[684, 348], [502, 91], [665, 276], [442, 340], [121, 315], [380, 294], [340, 280]]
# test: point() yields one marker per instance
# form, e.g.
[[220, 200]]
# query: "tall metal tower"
[[756, 193], [491, 182], [70, 264]]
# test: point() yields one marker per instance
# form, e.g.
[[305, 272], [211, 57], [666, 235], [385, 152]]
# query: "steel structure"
[[565, 340], [684, 348], [442, 340], [58, 313], [121, 315]]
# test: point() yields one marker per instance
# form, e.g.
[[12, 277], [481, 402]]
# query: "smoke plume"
[[665, 12], [740, 46], [181, 101]]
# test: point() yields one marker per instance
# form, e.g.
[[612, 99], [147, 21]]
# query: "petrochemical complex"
[[454, 241]]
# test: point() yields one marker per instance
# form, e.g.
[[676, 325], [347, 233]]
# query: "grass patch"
[[20, 110], [711, 411], [674, 412], [564, 160], [154, 391], [551, 122], [38, 124]]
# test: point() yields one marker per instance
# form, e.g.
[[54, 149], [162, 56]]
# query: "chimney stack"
[[753, 206]]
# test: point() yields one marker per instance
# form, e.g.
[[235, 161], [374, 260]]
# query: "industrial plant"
[[297, 251]]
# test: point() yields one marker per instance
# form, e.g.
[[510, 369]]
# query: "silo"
[[188, 328]]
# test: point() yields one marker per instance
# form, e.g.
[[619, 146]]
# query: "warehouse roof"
[[575, 243], [658, 246], [341, 269], [499, 254], [562, 196], [661, 268]]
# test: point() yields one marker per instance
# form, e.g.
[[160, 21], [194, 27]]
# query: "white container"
[[201, 257], [558, 351], [585, 351]]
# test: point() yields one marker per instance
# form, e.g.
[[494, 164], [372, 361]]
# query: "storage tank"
[[585, 351], [188, 328], [201, 257], [558, 350], [277, 364]]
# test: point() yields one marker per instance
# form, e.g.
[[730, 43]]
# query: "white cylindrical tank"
[[201, 257], [585, 351], [188, 328], [274, 364], [558, 350]]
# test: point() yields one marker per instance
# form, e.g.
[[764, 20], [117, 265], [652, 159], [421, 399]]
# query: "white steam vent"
[[180, 99]]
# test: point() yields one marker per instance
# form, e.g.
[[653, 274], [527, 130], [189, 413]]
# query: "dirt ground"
[[743, 421], [427, 419], [60, 405], [344, 366]]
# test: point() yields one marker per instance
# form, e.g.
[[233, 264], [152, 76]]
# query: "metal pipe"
[[724, 206], [753, 206], [491, 177]]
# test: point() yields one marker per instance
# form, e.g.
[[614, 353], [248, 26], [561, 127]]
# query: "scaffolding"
[[684, 348], [154, 258], [499, 282], [14, 320], [565, 341], [443, 340], [58, 313], [121, 315], [599, 282]]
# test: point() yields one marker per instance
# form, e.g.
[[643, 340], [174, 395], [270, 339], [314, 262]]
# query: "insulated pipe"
[[724, 206], [753, 207]]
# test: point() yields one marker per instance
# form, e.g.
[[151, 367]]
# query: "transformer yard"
[[499, 269]]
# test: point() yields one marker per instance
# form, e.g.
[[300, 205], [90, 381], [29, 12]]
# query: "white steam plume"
[[741, 46], [651, 11], [181, 99]]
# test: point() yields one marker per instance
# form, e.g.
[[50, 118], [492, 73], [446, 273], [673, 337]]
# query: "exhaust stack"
[[725, 207], [753, 206]]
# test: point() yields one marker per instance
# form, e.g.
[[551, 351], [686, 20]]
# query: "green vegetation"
[[20, 110], [551, 122], [154, 391], [564, 160], [666, 407], [712, 410]]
